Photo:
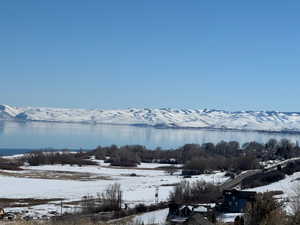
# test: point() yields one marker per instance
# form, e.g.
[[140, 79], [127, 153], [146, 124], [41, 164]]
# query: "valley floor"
[[44, 191], [65, 185]]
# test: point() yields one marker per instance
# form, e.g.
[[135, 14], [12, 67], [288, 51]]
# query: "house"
[[190, 214], [236, 201], [179, 211]]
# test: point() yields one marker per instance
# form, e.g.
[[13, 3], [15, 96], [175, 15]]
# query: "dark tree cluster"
[[221, 156], [206, 157], [195, 192], [50, 158], [6, 164]]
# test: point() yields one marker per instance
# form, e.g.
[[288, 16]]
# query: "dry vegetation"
[[50, 158], [56, 175], [9, 203], [196, 192]]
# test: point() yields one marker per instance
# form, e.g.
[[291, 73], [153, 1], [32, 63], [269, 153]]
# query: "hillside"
[[161, 118]]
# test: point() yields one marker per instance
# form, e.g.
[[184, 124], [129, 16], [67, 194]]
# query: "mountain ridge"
[[272, 121]]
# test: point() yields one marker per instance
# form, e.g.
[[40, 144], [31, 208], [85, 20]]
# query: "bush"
[[7, 164], [197, 192], [51, 158], [262, 179], [125, 158], [203, 164], [111, 198], [141, 208], [264, 210]]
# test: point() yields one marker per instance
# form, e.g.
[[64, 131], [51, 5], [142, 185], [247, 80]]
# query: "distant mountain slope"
[[8, 112], [176, 118]]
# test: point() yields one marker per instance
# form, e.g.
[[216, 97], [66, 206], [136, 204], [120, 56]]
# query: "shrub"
[[111, 198], [196, 192], [203, 164], [51, 158], [125, 158], [264, 210], [140, 208], [262, 179], [7, 164]]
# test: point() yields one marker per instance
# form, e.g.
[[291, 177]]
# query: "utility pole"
[[61, 208], [156, 194]]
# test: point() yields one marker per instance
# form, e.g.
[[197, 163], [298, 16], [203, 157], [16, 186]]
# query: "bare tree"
[[111, 198]]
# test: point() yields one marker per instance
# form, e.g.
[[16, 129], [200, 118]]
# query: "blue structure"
[[236, 201]]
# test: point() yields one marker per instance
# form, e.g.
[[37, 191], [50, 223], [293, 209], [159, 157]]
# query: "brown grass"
[[10, 202], [56, 175]]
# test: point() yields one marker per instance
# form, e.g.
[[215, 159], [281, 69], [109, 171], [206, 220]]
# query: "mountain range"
[[271, 121]]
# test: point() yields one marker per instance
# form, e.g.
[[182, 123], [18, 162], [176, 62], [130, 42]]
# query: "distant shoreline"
[[159, 126], [16, 151]]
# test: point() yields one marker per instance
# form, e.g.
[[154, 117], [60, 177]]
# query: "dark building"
[[236, 201], [190, 214], [176, 210]]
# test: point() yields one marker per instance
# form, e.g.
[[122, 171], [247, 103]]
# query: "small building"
[[236, 201], [190, 214], [182, 211]]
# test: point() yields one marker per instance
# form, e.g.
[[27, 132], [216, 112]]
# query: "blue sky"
[[232, 55]]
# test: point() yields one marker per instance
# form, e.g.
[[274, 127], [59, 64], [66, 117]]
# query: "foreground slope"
[[173, 118]]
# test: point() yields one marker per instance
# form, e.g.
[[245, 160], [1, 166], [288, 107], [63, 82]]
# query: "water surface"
[[35, 135]]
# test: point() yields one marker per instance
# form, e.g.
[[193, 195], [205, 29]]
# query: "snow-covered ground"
[[136, 189], [290, 186], [139, 188], [228, 217], [165, 117], [287, 185], [154, 217]]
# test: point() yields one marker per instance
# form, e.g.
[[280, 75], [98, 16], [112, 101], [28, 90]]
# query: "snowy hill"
[[174, 118], [8, 112]]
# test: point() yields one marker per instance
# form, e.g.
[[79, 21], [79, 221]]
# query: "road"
[[238, 179]]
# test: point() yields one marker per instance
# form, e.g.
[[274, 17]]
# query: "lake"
[[35, 135]]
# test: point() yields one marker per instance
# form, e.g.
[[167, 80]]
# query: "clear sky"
[[232, 55]]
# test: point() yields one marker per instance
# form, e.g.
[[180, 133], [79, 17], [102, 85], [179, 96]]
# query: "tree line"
[[208, 156]]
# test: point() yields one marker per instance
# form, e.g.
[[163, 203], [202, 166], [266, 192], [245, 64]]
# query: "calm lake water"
[[35, 135]]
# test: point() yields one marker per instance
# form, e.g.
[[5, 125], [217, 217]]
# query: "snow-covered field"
[[155, 217], [136, 189], [288, 185], [140, 188], [187, 118]]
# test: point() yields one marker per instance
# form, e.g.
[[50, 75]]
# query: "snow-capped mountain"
[[175, 118], [8, 112]]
